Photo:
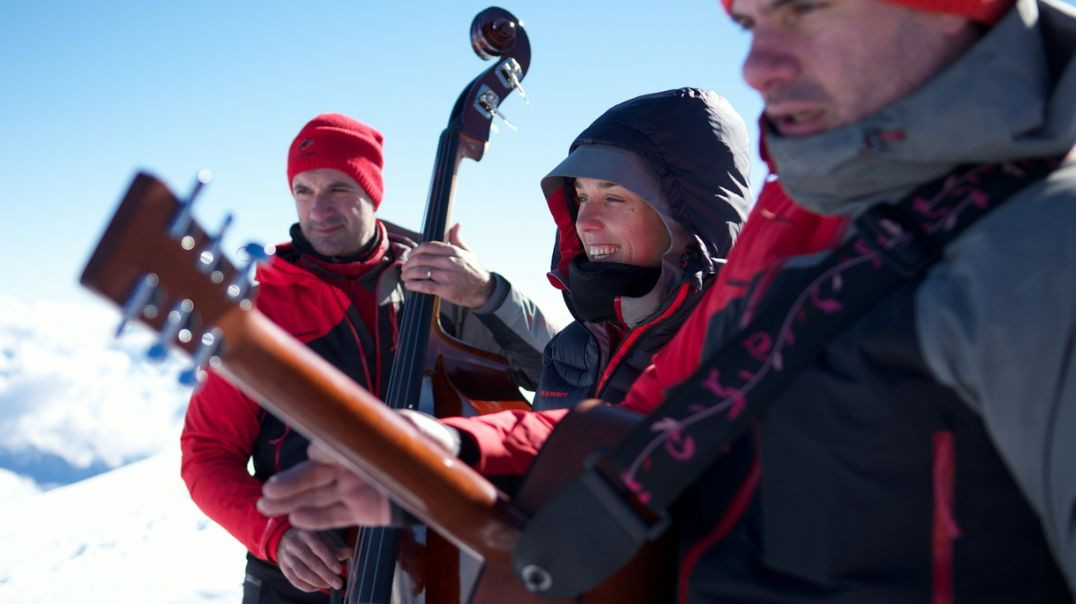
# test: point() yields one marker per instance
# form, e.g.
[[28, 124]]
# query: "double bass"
[[463, 380]]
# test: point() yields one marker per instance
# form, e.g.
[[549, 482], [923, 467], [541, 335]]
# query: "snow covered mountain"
[[91, 505], [130, 535]]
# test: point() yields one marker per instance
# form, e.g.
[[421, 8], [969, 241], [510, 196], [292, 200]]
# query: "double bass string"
[[373, 540]]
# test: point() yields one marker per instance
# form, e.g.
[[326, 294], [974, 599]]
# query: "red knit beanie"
[[334, 140], [984, 11]]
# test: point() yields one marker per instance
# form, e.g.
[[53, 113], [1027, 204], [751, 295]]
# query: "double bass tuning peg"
[[511, 74], [487, 103]]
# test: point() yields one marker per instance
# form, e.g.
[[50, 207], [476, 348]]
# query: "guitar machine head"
[[184, 285]]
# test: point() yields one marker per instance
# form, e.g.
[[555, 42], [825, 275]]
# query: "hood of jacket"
[[1011, 95], [686, 152]]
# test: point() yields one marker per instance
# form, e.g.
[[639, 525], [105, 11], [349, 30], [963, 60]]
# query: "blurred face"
[[616, 225], [821, 64], [335, 214]]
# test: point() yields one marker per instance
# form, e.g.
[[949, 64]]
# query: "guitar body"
[[649, 577]]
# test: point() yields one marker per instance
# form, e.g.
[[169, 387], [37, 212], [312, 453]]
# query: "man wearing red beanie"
[[923, 451], [338, 286]]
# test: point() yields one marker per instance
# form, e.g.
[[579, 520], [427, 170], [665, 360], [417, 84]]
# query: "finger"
[[421, 272], [418, 268], [454, 237], [302, 575], [430, 428], [279, 506], [290, 558], [431, 250], [333, 516], [322, 548], [318, 559], [436, 248], [298, 582], [300, 477], [321, 454], [424, 286], [322, 496]]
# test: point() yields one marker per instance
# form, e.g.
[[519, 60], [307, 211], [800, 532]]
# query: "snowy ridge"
[[129, 535]]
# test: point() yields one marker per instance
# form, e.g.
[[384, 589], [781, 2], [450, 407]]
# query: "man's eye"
[[581, 198], [805, 6], [744, 23]]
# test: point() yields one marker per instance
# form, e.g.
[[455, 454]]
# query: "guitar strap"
[[620, 501]]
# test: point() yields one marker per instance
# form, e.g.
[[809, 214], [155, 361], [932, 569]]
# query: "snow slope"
[[129, 535], [92, 508]]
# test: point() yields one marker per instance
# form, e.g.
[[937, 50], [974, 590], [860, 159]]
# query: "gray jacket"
[[996, 317]]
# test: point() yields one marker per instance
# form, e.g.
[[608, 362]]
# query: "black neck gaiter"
[[595, 286]]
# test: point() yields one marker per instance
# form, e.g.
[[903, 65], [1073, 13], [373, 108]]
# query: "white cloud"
[[69, 390]]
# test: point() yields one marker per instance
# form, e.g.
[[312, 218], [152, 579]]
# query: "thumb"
[[454, 237], [318, 452]]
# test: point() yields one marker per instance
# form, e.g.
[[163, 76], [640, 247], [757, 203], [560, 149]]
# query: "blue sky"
[[95, 91]]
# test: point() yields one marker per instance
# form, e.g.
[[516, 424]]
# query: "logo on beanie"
[[306, 144]]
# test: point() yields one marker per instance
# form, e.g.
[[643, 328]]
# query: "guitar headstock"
[[163, 269], [495, 34]]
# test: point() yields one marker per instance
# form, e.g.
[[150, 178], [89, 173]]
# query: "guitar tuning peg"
[[209, 259], [250, 254], [205, 355], [181, 223], [175, 327], [139, 301], [487, 103], [257, 252]]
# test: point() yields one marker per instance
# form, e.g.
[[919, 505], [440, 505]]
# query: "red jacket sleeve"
[[509, 440], [217, 440]]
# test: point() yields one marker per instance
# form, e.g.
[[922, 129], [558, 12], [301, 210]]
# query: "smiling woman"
[[636, 250], [616, 225]]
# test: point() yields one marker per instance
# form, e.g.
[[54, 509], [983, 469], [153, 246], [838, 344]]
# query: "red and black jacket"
[[347, 313]]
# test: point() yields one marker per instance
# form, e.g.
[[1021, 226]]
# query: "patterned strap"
[[892, 243]]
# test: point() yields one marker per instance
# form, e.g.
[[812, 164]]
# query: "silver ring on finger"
[[429, 274]]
